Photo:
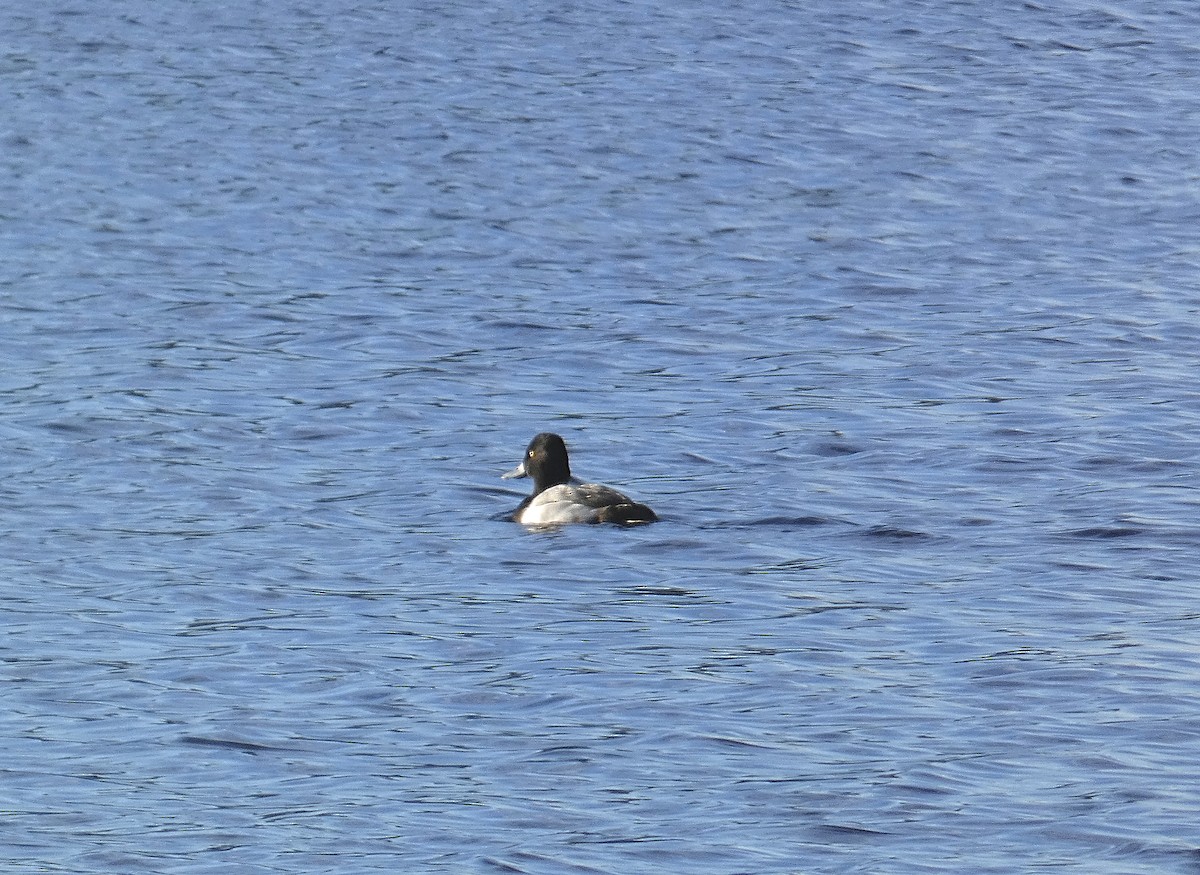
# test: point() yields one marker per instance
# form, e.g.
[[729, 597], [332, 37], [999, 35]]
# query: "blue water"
[[890, 310]]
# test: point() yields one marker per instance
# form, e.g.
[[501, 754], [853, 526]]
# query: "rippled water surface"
[[890, 310]]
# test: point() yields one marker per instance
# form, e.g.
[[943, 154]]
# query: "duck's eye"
[[533, 454]]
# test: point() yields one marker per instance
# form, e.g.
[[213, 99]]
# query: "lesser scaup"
[[559, 498]]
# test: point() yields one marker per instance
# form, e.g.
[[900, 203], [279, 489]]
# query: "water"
[[889, 310]]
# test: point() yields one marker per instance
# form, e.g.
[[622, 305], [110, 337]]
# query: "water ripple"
[[887, 310]]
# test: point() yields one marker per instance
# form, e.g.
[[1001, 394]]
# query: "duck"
[[558, 498]]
